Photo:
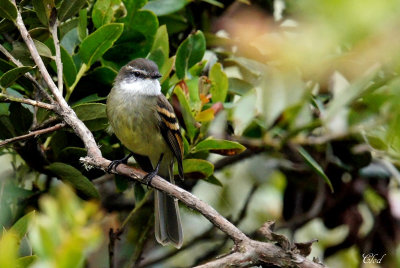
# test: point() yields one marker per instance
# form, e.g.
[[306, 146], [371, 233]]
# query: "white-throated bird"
[[144, 121]]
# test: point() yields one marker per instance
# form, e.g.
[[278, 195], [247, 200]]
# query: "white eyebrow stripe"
[[137, 70]]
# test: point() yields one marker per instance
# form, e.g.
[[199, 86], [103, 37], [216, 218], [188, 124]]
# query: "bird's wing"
[[169, 127]]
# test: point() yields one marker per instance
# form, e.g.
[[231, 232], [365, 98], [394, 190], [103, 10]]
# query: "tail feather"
[[168, 227]]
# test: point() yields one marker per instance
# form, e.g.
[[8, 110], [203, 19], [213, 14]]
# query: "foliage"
[[315, 93]]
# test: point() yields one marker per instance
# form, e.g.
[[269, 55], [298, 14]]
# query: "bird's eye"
[[136, 73]]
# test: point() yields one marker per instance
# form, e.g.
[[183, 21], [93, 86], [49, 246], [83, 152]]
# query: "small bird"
[[145, 123]]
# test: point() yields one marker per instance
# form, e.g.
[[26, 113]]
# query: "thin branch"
[[27, 75], [7, 98], [137, 207], [53, 30], [206, 234], [141, 243], [64, 110], [47, 123], [113, 237], [32, 134], [245, 248], [243, 211]]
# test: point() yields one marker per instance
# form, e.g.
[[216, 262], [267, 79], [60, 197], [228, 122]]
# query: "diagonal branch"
[[53, 29], [32, 134], [8, 98], [27, 75], [64, 110]]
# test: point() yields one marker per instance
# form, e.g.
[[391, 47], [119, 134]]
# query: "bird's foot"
[[115, 163], [147, 179]]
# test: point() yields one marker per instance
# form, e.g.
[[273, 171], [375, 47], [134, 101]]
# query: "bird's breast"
[[134, 121]]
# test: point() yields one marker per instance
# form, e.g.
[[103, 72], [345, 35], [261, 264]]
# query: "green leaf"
[[69, 8], [194, 97], [90, 111], [189, 53], [97, 43], [40, 33], [27, 261], [350, 94], [122, 183], [197, 168], [20, 117], [82, 25], [90, 98], [43, 9], [186, 112], [21, 226], [137, 39], [73, 176], [238, 86], [69, 68], [222, 147], [132, 6], [103, 11], [165, 7], [219, 83], [68, 26], [315, 166], [213, 180], [8, 10], [104, 75], [160, 50], [11, 76], [97, 124], [71, 155], [244, 112], [214, 3], [139, 192], [175, 23], [205, 115], [161, 40], [42, 49]]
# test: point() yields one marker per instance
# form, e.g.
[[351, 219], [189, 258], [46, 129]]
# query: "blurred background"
[[289, 111]]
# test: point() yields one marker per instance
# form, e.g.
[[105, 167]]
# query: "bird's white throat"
[[150, 87]]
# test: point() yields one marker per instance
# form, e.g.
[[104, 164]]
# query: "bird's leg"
[[147, 179], [115, 163]]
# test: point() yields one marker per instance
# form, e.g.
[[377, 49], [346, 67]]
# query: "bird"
[[145, 122]]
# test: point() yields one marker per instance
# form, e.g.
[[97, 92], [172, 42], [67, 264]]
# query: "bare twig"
[[53, 30], [64, 110], [27, 75], [32, 134], [246, 251], [141, 243], [52, 120], [137, 207], [8, 98], [113, 237]]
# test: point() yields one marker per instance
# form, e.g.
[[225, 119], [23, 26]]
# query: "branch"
[[27, 75], [32, 134], [63, 110], [6, 97], [245, 248], [53, 29]]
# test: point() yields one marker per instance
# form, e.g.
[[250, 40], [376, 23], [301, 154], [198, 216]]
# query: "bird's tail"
[[168, 227]]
